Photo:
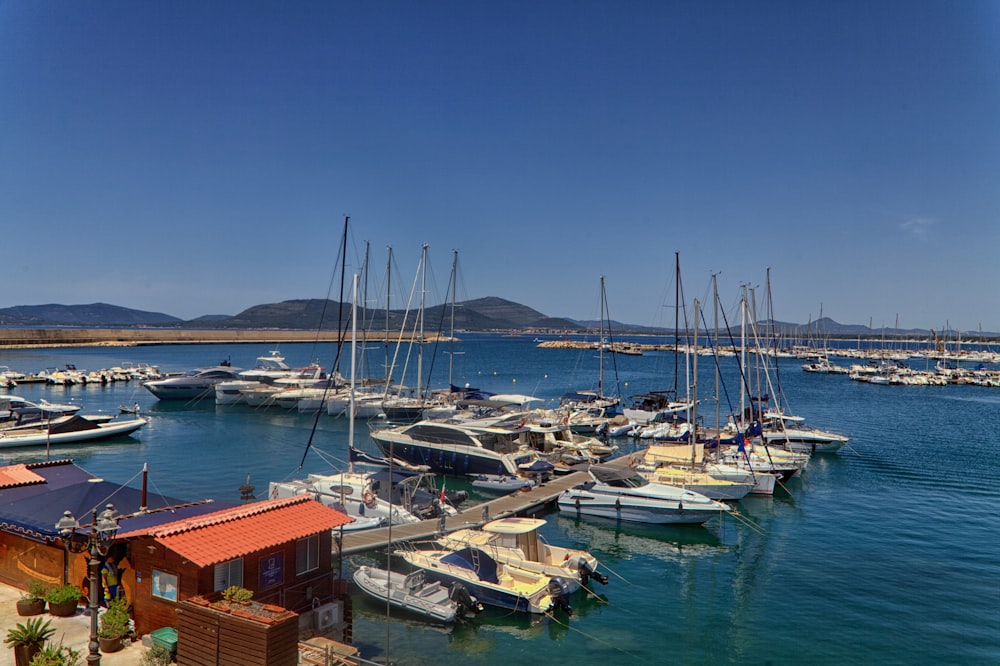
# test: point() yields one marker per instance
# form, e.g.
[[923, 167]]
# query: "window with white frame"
[[307, 554], [228, 574]]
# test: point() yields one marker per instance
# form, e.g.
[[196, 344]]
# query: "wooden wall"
[[289, 591]]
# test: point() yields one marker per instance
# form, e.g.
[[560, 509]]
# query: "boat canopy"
[[608, 474], [474, 560], [513, 525]]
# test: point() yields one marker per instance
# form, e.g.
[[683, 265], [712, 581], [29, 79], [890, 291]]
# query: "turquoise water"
[[888, 552]]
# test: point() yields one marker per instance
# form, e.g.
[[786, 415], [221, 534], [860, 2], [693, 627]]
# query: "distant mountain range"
[[481, 314]]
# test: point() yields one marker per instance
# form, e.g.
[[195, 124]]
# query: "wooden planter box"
[[210, 633]]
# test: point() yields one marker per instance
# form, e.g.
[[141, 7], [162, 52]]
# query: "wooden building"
[[169, 550]]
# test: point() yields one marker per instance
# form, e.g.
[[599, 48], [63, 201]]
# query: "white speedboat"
[[517, 542], [622, 494], [413, 592], [68, 430]]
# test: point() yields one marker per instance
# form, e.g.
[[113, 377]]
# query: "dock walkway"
[[516, 503]]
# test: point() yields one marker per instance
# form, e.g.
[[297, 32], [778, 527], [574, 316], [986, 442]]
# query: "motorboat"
[[450, 448], [655, 405], [272, 367], [621, 493], [517, 542], [68, 430], [414, 593], [491, 582], [195, 385], [19, 410], [501, 483], [374, 499]]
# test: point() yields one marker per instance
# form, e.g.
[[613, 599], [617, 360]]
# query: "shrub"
[[36, 591], [62, 594], [55, 655], [114, 620], [156, 656], [237, 594]]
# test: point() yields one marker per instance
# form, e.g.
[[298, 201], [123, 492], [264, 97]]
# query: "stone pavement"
[[72, 631]]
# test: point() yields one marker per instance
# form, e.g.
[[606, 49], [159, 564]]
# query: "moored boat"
[[491, 582], [414, 593], [623, 494]]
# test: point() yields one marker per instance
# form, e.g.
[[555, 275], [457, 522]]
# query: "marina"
[[821, 551]]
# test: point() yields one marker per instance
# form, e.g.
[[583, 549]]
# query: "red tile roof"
[[18, 475], [226, 535]]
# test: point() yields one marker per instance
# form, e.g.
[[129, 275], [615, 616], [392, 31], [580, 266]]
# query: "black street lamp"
[[102, 532]]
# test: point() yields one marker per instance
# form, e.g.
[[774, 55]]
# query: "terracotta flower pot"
[[23, 654], [109, 645], [33, 607], [63, 608]]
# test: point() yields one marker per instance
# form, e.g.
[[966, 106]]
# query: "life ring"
[[368, 498]]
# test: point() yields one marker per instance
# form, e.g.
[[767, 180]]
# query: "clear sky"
[[193, 157]]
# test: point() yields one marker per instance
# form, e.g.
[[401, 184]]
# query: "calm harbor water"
[[887, 552]]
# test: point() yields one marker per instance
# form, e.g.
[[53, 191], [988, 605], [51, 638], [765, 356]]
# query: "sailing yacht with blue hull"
[[446, 448]]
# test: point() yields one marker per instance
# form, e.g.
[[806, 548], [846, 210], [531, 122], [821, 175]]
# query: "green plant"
[[63, 593], [33, 632], [36, 591], [237, 594], [55, 655], [155, 656], [114, 620]]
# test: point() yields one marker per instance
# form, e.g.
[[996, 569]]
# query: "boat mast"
[[451, 342], [600, 346], [677, 306], [420, 342], [354, 337], [693, 432]]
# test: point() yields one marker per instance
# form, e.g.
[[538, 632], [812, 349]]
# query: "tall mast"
[[600, 346], [677, 309], [693, 432], [420, 341], [451, 342]]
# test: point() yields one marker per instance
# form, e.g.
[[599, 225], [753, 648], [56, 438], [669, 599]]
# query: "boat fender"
[[618, 504], [369, 498], [680, 506], [587, 572], [465, 601], [559, 591]]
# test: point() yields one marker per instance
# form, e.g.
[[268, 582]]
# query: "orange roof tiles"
[[232, 533], [18, 475]]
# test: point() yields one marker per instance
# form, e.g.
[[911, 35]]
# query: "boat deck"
[[515, 503]]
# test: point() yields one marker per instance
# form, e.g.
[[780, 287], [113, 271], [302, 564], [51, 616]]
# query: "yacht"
[[449, 448], [196, 384]]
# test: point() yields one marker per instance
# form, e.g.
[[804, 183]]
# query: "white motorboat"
[[492, 582], [373, 499], [449, 448], [195, 385], [517, 542], [68, 430], [413, 592], [623, 494]]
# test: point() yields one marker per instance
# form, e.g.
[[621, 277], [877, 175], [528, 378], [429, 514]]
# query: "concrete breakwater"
[[25, 338]]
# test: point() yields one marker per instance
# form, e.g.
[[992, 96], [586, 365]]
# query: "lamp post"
[[102, 533]]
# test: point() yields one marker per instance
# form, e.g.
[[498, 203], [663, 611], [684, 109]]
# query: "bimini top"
[[513, 525]]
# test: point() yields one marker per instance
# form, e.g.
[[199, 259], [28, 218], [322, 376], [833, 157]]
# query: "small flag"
[[442, 492]]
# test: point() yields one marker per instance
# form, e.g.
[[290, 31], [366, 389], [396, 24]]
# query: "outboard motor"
[[587, 572], [559, 591], [466, 602]]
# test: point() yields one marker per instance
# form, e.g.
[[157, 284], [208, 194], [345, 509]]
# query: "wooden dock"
[[516, 503]]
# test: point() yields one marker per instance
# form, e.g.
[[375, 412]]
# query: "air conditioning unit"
[[327, 616]]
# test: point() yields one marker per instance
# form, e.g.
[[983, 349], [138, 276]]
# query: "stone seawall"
[[23, 338]]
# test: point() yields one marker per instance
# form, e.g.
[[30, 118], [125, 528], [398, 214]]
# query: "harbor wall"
[[23, 338]]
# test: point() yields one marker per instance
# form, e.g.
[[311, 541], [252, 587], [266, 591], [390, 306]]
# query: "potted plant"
[[28, 638], [114, 626], [237, 594], [63, 600], [32, 602], [56, 655]]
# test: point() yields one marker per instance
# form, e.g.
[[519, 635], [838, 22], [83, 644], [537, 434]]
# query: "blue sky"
[[199, 157]]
